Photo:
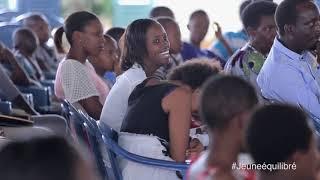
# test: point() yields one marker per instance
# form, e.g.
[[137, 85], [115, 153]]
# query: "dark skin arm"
[[92, 106], [219, 35]]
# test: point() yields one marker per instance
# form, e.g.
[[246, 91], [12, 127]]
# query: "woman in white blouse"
[[146, 48]]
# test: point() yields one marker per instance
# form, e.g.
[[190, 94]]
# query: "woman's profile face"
[[92, 39], [158, 45]]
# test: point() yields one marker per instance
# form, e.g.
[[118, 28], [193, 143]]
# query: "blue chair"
[[5, 107], [6, 32], [41, 95], [6, 15], [86, 131], [110, 139], [99, 133], [53, 20]]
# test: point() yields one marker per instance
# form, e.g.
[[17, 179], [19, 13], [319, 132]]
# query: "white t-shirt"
[[116, 104]]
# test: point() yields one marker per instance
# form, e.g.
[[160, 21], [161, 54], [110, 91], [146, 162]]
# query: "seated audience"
[[279, 134], [45, 55], [198, 26], [29, 160], [76, 79], [107, 60], [161, 11], [225, 106], [146, 50], [258, 21], [229, 42], [174, 35]]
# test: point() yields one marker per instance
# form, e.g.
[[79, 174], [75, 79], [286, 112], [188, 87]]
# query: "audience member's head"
[[173, 32], [108, 59], [84, 33], [146, 44], [44, 158], [38, 23], [258, 21], [115, 33], [194, 73], [225, 106], [25, 41], [298, 24], [281, 134], [198, 26], [161, 11]]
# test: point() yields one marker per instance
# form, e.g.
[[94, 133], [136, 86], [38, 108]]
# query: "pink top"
[[76, 81]]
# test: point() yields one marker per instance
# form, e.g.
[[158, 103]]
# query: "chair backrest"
[[86, 130], [53, 20], [110, 138], [7, 15], [6, 32]]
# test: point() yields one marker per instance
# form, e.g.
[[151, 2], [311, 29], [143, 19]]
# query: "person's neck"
[[289, 44], [194, 43], [257, 46], [77, 54], [149, 68], [223, 151], [25, 53]]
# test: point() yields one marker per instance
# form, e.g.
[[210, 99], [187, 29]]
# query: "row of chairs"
[[12, 20], [96, 133]]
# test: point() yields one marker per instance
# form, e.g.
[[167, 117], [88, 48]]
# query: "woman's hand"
[[195, 148]]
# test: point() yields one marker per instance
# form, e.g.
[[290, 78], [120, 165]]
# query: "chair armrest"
[[119, 151], [5, 107], [41, 95]]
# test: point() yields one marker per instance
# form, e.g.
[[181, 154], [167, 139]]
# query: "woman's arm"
[[92, 106], [178, 105]]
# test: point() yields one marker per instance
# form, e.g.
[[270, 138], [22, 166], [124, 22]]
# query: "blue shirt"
[[236, 40], [189, 51], [291, 78]]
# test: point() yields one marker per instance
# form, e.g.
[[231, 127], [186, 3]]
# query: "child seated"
[[225, 106], [107, 60]]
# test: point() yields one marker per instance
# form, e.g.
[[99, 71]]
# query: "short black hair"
[[33, 18], [161, 11], [24, 38], [194, 72], [243, 5], [45, 158], [135, 43], [223, 97], [287, 13], [252, 14], [115, 32], [276, 131], [199, 12], [165, 21]]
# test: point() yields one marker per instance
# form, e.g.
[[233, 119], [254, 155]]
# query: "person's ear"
[[77, 37], [251, 31], [289, 29], [188, 26]]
